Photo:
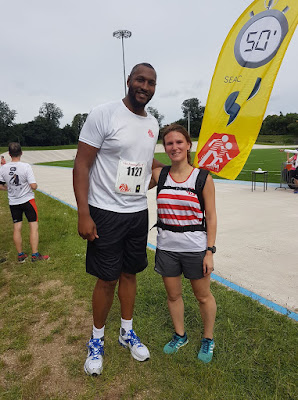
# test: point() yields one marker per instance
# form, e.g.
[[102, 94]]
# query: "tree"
[[7, 115], [51, 113], [193, 106], [78, 122], [280, 124], [153, 111], [68, 135]]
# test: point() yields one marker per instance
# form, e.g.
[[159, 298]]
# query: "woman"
[[188, 250]]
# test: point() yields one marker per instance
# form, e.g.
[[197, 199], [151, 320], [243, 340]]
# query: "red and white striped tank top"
[[180, 207]]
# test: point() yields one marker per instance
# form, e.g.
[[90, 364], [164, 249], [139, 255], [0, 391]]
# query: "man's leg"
[[102, 300], [34, 236], [127, 293], [17, 236]]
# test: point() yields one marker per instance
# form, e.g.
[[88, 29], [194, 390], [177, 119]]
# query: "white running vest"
[[179, 207]]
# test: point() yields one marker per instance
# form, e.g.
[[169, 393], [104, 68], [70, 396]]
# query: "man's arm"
[[84, 160], [3, 186], [156, 168], [157, 164]]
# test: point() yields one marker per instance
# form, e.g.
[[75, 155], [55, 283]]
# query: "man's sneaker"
[[130, 340], [22, 257], [39, 257], [174, 345], [94, 362], [206, 350]]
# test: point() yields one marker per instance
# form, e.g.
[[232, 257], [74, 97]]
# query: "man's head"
[[141, 85], [14, 149]]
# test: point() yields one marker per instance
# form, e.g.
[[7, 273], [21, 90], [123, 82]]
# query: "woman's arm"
[[211, 222]]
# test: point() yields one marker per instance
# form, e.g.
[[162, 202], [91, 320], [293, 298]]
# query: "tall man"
[[17, 178], [111, 176]]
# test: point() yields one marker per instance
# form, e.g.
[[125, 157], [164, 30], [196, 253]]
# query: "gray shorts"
[[172, 263]]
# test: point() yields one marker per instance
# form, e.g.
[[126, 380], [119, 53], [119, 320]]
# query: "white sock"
[[126, 324], [98, 333]]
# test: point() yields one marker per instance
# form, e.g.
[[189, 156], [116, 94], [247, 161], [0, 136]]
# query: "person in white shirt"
[[111, 174], [18, 179]]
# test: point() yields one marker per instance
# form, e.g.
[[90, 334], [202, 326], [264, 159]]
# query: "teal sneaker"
[[206, 350], [174, 345]]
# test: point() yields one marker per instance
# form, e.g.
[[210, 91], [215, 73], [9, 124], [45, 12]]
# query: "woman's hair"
[[183, 131]]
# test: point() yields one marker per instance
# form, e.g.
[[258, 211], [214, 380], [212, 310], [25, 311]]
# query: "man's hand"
[[87, 228]]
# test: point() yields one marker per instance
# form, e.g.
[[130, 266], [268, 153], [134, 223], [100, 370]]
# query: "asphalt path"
[[256, 239]]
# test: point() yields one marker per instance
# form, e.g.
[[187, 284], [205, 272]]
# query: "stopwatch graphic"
[[260, 38]]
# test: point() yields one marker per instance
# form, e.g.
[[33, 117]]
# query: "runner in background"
[[17, 178]]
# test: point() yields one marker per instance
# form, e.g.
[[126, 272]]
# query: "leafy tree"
[[51, 113], [153, 111], [41, 132], [280, 124], [68, 135], [7, 115], [78, 122], [193, 106]]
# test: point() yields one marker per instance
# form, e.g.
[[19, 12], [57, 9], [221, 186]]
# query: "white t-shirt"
[[180, 207], [18, 176], [121, 173]]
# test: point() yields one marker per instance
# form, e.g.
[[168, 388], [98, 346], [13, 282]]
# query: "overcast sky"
[[64, 52]]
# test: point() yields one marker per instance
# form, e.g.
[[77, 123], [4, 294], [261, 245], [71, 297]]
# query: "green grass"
[[45, 321], [268, 159], [66, 163]]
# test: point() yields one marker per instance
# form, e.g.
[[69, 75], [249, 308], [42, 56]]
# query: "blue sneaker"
[[137, 349], [206, 350], [94, 362], [174, 345]]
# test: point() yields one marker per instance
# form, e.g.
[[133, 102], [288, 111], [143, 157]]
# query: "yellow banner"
[[242, 83]]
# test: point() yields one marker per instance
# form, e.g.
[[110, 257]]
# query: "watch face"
[[260, 38]]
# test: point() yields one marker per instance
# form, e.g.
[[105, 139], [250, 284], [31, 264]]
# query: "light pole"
[[122, 34]]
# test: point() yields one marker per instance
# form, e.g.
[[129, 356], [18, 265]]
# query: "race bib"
[[130, 178]]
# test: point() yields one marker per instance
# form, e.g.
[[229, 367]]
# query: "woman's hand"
[[208, 263]]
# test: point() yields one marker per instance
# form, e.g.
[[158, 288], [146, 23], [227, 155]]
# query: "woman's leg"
[[201, 289], [173, 287]]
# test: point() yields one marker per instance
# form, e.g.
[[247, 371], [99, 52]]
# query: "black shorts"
[[172, 263], [294, 173], [29, 208], [121, 246]]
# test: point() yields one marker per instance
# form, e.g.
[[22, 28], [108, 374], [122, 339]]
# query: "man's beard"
[[135, 103]]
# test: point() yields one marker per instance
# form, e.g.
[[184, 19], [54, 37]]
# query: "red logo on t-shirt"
[[123, 187], [190, 193], [150, 133]]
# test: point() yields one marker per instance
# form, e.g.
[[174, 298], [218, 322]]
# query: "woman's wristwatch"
[[212, 249]]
